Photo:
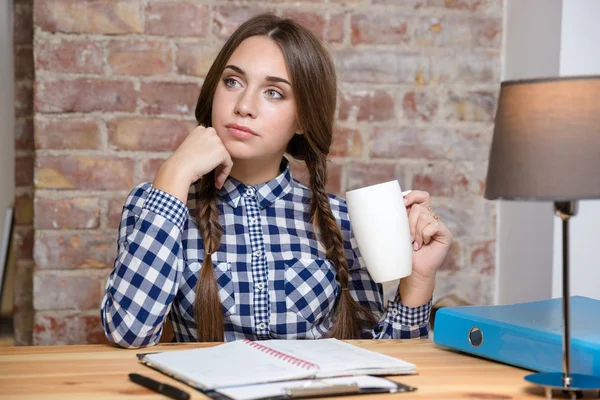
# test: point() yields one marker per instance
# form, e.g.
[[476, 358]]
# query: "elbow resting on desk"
[[123, 329]]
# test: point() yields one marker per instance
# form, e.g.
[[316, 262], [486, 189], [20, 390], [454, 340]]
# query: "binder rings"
[[527, 335]]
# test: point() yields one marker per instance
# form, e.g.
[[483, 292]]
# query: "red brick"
[[23, 99], [150, 168], [98, 16], [195, 58], [23, 24], [23, 62], [169, 97], [477, 106], [64, 292], [483, 257], [85, 95], [115, 208], [81, 172], [459, 32], [346, 142], [295, 2], [454, 260], [470, 145], [23, 242], [326, 26], [382, 66], [408, 142], [144, 57], [431, 143], [23, 214], [68, 330], [488, 32], [85, 250], [67, 133], [382, 27], [468, 5], [469, 216], [228, 18], [79, 213], [24, 134], [420, 105], [466, 68], [376, 105], [348, 2], [181, 18], [334, 178], [334, 175], [406, 3], [449, 179], [149, 134], [83, 57], [361, 174], [24, 171]]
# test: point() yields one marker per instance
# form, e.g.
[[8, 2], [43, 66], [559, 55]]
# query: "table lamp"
[[546, 147]]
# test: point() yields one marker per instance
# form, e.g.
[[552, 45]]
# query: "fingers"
[[413, 218], [417, 197], [423, 226], [222, 156], [430, 230], [223, 170]]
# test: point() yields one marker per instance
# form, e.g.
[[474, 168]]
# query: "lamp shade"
[[546, 143]]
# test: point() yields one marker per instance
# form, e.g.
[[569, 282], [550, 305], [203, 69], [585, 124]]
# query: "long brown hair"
[[313, 82]]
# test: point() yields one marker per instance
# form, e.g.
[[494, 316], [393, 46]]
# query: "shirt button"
[[394, 312], [258, 253], [260, 285], [253, 220], [262, 326], [250, 192]]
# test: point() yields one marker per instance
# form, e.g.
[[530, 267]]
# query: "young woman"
[[229, 246]]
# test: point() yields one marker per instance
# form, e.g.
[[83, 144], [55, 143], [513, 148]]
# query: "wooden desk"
[[100, 371]]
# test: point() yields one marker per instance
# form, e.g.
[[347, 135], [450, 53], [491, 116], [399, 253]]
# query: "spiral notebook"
[[246, 362]]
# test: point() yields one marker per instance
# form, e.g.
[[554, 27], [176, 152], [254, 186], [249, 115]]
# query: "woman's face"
[[254, 111]]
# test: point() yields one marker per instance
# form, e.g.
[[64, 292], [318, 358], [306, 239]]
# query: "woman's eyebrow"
[[267, 78]]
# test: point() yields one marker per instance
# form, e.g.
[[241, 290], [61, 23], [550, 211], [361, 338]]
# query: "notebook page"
[[229, 364], [254, 392], [335, 357]]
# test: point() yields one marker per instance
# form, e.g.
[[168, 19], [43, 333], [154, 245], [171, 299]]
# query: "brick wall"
[[115, 88]]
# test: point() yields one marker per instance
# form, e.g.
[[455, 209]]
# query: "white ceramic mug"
[[380, 224]]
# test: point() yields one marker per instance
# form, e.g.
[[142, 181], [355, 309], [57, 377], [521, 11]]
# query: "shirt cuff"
[[168, 206], [399, 314]]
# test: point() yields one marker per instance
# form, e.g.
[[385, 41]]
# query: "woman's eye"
[[230, 82], [274, 94]]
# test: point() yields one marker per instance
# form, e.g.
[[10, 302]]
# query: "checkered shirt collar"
[[233, 190]]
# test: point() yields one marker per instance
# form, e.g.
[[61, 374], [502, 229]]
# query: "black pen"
[[162, 388]]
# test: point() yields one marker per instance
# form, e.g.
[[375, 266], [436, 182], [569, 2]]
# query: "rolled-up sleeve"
[[147, 269]]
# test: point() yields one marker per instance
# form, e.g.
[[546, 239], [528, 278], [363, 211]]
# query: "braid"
[[209, 316], [350, 318]]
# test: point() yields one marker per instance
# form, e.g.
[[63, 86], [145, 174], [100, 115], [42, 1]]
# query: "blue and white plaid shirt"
[[273, 275]]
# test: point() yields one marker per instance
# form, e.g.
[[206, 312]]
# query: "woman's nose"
[[246, 105]]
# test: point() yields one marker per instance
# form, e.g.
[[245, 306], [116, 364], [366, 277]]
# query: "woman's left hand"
[[432, 240]]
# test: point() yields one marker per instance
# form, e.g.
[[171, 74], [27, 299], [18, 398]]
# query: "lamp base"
[[554, 380]]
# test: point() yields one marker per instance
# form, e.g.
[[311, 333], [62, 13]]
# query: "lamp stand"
[[565, 380]]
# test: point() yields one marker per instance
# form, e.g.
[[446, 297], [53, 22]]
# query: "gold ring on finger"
[[434, 215]]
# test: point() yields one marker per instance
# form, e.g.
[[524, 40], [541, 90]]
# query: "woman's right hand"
[[200, 152]]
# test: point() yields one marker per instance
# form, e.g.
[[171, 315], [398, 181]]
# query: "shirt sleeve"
[[147, 269], [396, 321]]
